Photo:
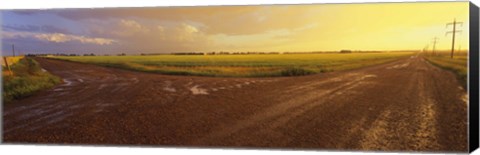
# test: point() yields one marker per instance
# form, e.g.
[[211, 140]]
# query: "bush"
[[27, 79], [296, 72]]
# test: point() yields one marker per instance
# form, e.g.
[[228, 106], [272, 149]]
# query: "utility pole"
[[13, 50], [454, 30], [435, 39], [6, 64]]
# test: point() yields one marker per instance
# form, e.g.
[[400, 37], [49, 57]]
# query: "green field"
[[241, 65], [458, 65], [26, 78]]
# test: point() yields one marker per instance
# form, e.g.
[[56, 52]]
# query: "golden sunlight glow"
[[381, 26], [280, 28]]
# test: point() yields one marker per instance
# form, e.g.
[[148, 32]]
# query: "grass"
[[27, 78], [457, 65], [241, 65]]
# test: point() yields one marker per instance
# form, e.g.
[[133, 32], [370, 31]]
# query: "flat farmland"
[[406, 104], [251, 65]]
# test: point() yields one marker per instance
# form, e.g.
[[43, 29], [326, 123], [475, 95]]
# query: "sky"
[[264, 28]]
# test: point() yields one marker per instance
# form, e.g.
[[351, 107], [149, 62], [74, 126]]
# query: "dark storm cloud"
[[35, 28], [25, 45], [28, 28], [219, 20], [25, 12]]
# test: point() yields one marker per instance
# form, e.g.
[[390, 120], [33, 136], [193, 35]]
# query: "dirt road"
[[400, 106]]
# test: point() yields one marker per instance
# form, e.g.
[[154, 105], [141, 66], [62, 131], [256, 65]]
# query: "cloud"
[[119, 28], [152, 36], [53, 29], [160, 28], [133, 25], [189, 28], [57, 38], [98, 41], [261, 41], [229, 20], [213, 28], [35, 28], [185, 33], [60, 38], [29, 28], [130, 23], [26, 12]]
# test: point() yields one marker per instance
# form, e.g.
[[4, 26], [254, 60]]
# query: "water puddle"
[[399, 66], [170, 89], [135, 80], [368, 76], [67, 82], [198, 91]]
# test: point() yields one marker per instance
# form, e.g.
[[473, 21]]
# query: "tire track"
[[281, 113]]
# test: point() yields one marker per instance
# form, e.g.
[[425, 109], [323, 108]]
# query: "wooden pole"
[[454, 31], [453, 38], [8, 66]]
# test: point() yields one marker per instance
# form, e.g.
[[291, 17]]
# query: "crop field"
[[458, 65], [253, 65]]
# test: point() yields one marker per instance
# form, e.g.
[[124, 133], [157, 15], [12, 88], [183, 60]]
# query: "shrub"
[[296, 72], [27, 79]]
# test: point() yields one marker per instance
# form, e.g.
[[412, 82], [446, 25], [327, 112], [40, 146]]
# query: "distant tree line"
[[188, 53], [63, 54], [220, 53]]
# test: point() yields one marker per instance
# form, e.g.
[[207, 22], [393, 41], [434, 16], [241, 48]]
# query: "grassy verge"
[[457, 65], [241, 65], [27, 78]]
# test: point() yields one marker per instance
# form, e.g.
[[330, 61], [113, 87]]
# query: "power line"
[[454, 30]]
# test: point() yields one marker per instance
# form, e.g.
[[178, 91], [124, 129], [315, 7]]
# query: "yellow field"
[[11, 60], [251, 65]]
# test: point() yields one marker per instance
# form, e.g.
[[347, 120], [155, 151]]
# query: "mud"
[[406, 105]]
